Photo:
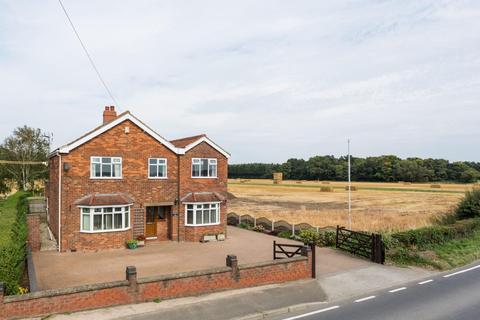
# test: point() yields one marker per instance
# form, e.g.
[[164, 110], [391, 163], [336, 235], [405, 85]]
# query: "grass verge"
[[8, 215], [448, 255]]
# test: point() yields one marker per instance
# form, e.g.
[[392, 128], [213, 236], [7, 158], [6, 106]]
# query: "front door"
[[151, 222]]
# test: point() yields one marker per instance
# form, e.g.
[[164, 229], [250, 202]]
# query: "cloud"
[[267, 80]]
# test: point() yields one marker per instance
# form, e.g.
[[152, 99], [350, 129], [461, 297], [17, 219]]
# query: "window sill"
[[106, 178], [157, 178], [203, 225], [104, 231], [204, 177]]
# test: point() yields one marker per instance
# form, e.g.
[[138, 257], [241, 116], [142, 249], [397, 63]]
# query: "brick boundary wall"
[[33, 224], [131, 290]]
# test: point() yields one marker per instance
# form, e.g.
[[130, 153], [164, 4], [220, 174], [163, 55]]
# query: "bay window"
[[204, 168], [100, 219], [105, 167], [201, 214]]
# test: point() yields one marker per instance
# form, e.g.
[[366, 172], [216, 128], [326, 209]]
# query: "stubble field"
[[375, 206]]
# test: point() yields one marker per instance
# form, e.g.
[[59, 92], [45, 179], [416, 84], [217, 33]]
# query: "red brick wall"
[[135, 148], [162, 287], [33, 224], [189, 184]]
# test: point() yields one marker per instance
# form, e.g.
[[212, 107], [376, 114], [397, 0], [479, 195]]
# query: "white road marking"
[[426, 281], [461, 271], [365, 299], [312, 313], [398, 289]]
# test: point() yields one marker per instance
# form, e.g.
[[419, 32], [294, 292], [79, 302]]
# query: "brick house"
[[122, 180]]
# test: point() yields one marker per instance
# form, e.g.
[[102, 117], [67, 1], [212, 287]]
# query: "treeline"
[[375, 169]]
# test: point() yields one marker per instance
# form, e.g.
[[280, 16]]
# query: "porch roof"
[[203, 197], [104, 199]]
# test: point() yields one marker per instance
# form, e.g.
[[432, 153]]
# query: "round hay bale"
[[435, 186], [326, 189], [325, 182], [352, 188]]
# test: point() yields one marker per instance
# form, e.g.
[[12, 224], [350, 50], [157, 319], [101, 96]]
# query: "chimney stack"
[[109, 114]]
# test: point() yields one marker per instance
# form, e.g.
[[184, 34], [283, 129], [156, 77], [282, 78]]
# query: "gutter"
[[178, 198]]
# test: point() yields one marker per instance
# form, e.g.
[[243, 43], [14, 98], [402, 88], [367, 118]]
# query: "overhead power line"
[[87, 53], [22, 162]]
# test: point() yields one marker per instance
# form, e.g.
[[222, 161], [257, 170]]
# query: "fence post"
[[131, 275], [293, 229], [232, 262], [374, 248], [274, 245], [378, 255], [2, 292], [239, 219], [336, 238], [255, 222], [273, 225]]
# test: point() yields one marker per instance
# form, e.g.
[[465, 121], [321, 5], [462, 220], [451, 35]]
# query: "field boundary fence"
[[363, 244]]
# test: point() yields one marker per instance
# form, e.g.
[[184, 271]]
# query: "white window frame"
[[210, 161], [194, 224], [101, 157], [166, 168], [92, 213]]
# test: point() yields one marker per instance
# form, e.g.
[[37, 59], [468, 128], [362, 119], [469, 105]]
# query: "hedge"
[[13, 253], [425, 237]]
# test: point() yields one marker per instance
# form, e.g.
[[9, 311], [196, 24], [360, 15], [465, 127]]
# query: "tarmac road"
[[452, 295]]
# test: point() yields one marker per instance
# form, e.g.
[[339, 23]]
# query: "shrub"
[[428, 236], [309, 236], [244, 225], [469, 206], [13, 253], [284, 234], [259, 228], [328, 238]]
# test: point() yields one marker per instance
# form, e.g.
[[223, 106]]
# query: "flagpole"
[[349, 189]]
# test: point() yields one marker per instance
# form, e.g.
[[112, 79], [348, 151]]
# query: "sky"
[[266, 80]]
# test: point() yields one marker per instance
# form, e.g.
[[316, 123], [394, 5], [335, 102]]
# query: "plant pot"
[[132, 246], [141, 243]]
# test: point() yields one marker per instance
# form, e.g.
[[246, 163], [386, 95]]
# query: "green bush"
[[328, 238], [469, 206], [428, 236], [309, 235], [244, 225], [285, 234], [13, 253]]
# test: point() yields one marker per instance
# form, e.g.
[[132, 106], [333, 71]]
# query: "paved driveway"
[[60, 270]]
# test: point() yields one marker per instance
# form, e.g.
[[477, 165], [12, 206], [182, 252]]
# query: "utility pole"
[[349, 189]]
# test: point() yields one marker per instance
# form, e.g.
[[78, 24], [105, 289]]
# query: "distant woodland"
[[376, 169]]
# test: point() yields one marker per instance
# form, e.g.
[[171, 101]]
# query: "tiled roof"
[[104, 199], [183, 142], [203, 197]]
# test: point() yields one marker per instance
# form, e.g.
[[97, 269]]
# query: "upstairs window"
[[204, 168], [157, 168], [106, 167]]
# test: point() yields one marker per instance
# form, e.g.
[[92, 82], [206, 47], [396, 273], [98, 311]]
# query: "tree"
[[25, 145], [469, 207]]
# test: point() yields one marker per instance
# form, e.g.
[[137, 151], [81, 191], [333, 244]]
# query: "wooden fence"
[[273, 226]]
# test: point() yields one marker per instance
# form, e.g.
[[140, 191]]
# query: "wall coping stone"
[[273, 262], [65, 291], [187, 274]]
